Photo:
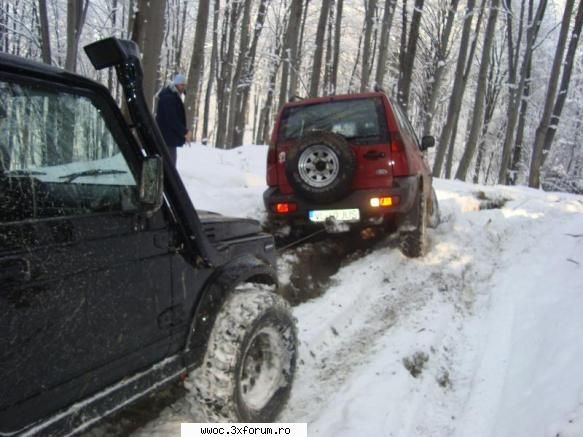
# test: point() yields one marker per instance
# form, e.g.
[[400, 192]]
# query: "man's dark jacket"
[[170, 117]]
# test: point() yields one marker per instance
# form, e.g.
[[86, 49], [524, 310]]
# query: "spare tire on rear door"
[[321, 166]]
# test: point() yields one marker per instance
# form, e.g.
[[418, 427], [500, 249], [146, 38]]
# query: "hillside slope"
[[481, 337]]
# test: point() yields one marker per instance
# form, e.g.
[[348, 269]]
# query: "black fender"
[[243, 269]]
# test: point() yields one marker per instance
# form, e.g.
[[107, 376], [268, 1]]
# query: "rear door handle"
[[374, 154], [14, 269]]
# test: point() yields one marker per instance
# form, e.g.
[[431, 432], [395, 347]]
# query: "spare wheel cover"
[[321, 166]]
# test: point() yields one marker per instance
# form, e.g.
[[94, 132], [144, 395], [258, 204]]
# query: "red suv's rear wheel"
[[321, 166], [414, 241]]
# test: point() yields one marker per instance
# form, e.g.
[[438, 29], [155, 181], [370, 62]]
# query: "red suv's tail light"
[[271, 174], [285, 207], [384, 202], [399, 156]]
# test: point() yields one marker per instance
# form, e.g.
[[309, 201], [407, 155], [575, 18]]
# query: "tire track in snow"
[[395, 297]]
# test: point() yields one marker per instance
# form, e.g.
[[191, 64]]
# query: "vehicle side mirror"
[[427, 142], [152, 184]]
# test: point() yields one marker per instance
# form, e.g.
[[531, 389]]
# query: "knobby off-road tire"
[[434, 215], [250, 362], [414, 242], [321, 166]]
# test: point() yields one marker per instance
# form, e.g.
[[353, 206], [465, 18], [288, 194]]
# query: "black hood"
[[219, 228]]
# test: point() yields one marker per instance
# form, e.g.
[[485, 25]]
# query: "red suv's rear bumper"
[[404, 191]]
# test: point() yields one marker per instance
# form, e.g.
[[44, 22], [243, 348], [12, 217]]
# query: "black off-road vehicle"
[[111, 283]]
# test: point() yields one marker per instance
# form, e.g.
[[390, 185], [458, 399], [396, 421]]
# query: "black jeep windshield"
[[358, 120]]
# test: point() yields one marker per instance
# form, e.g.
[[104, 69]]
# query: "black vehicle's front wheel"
[[250, 361]]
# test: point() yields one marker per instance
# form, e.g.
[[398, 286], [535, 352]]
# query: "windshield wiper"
[[88, 173]]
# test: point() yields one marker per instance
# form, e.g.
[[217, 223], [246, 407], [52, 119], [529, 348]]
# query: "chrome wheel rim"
[[318, 166]]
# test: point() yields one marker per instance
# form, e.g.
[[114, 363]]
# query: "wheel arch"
[[219, 286]]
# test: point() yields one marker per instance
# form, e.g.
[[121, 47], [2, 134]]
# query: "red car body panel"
[[378, 165]]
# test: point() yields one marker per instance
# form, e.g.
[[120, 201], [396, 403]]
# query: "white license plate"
[[340, 215]]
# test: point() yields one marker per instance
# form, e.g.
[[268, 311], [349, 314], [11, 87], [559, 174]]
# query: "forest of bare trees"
[[499, 83]]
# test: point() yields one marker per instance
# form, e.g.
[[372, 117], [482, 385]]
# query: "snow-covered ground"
[[481, 337]]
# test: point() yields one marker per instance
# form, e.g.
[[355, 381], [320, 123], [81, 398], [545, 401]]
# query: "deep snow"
[[490, 320]]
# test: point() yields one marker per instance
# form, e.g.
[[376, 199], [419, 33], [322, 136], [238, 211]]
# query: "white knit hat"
[[179, 80]]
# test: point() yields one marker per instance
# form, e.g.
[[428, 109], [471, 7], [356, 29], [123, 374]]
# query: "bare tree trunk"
[[255, 115], [488, 170], [565, 81], [457, 93], [328, 57], [132, 13], [537, 155], [357, 60], [224, 79], [76, 13], [478, 115], [212, 72], [469, 65], [516, 95], [336, 48], [519, 140], [57, 30], [246, 81], [373, 50], [402, 49], [237, 76], [513, 55], [15, 12], [295, 71], [388, 14], [110, 82], [317, 64], [371, 6], [181, 29], [290, 50], [263, 130], [196, 62], [45, 34], [439, 68], [495, 78], [148, 33], [451, 148], [170, 43], [408, 57], [4, 28], [167, 68]]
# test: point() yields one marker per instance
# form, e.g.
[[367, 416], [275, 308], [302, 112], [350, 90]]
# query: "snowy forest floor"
[[481, 337]]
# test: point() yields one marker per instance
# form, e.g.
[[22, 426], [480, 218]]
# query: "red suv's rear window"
[[361, 121]]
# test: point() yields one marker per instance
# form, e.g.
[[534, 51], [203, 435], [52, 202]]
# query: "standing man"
[[171, 117]]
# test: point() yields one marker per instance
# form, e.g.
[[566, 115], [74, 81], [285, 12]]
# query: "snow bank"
[[481, 337]]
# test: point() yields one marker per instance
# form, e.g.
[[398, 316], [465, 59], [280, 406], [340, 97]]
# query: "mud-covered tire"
[[320, 167], [434, 215], [250, 362], [413, 242]]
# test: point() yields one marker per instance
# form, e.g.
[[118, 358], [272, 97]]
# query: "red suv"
[[350, 161]]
